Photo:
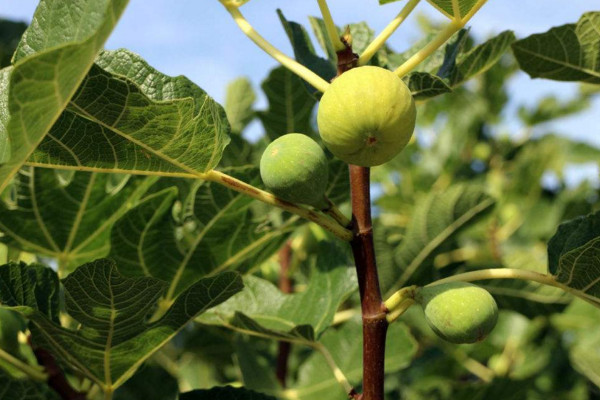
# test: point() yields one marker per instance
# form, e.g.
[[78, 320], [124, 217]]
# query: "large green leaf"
[[261, 309], [423, 85], [69, 221], [24, 389], [239, 104], [585, 355], [146, 122], [115, 334], [290, 105], [51, 61], [566, 53], [317, 381], [224, 393], [574, 256], [435, 220], [221, 232]]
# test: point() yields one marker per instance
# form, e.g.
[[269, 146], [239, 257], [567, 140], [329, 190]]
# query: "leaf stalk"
[[380, 40], [291, 64]]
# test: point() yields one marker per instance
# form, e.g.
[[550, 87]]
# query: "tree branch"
[[373, 310], [56, 378]]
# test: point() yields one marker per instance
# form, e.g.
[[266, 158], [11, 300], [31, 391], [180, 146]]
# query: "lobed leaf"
[[69, 220], [128, 117], [566, 53], [50, 62], [116, 333], [220, 233]]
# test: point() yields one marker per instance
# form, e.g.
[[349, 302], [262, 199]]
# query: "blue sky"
[[197, 38]]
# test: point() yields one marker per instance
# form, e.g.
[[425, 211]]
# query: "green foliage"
[[101, 155], [50, 61], [565, 53]]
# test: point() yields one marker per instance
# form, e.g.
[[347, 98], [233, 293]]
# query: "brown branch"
[[373, 310], [285, 285], [56, 378]]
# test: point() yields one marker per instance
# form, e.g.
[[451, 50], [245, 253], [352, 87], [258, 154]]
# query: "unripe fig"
[[366, 116], [459, 312], [294, 167]]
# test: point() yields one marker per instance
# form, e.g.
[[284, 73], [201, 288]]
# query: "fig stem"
[[399, 297], [242, 187], [399, 310], [330, 26], [385, 34], [334, 212], [291, 64], [512, 273], [440, 39], [35, 373]]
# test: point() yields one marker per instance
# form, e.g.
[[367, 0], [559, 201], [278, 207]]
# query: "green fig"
[[294, 167], [11, 323], [459, 312], [366, 116]]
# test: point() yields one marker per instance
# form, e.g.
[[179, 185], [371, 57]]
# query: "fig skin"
[[459, 312], [366, 116], [294, 167]]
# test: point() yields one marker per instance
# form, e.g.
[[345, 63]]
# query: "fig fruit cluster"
[[365, 117], [459, 312]]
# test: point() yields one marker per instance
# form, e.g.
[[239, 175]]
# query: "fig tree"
[[294, 167], [366, 116], [459, 312]]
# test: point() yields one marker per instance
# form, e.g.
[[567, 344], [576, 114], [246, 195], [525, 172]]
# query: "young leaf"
[[435, 220], [115, 334], [49, 64], [220, 233], [224, 393], [22, 389], [565, 53], [263, 310], [574, 256], [69, 221], [290, 105], [146, 122], [239, 104]]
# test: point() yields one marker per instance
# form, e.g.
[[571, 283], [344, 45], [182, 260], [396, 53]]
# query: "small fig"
[[294, 167], [459, 312], [11, 323], [366, 116]]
